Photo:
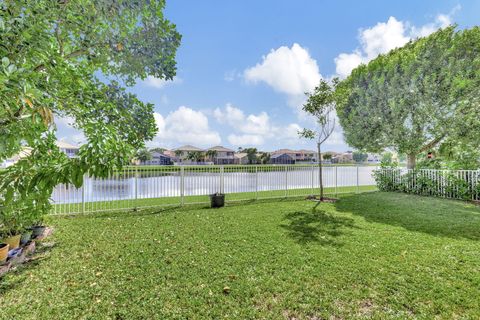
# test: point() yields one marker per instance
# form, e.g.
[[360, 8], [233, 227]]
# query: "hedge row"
[[456, 184]]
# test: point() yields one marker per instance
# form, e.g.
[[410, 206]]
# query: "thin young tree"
[[321, 105]]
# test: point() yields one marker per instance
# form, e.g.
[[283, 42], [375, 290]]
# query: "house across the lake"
[[182, 154], [221, 155], [298, 155], [69, 149], [241, 158], [283, 158], [346, 157], [158, 159]]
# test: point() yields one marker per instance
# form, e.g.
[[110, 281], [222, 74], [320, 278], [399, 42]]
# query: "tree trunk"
[[320, 174], [411, 159]]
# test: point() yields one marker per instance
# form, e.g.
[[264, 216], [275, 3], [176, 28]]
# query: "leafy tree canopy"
[[359, 156], [51, 53], [415, 97]]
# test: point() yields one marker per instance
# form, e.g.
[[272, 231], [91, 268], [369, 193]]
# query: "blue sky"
[[243, 65]]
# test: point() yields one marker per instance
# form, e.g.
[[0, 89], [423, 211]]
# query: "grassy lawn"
[[371, 255], [175, 201]]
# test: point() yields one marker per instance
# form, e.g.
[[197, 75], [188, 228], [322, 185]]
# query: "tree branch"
[[432, 143], [73, 54]]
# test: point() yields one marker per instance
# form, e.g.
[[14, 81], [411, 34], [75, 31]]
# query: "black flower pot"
[[217, 200]]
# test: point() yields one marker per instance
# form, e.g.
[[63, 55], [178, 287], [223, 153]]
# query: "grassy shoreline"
[[132, 204]]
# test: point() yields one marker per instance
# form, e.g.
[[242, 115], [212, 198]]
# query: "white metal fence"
[[144, 186], [453, 184]]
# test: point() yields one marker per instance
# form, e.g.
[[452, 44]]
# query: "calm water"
[[157, 183]]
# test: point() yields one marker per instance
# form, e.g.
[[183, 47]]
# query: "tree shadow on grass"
[[316, 226], [434, 216]]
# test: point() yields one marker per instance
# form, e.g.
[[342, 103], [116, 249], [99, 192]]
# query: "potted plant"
[[36, 217], [3, 252], [11, 227]]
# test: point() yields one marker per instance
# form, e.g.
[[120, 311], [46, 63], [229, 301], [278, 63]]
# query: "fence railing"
[[144, 186], [454, 184]]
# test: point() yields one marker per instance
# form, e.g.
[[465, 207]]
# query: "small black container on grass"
[[217, 200]]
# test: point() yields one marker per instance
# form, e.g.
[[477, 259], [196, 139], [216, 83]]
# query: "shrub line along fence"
[[141, 186], [453, 184]]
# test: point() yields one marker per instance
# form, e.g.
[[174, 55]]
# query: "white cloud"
[[246, 139], [256, 129], [385, 36], [291, 132], [184, 126], [66, 130], [346, 62], [230, 115], [151, 81], [249, 129], [288, 70], [441, 21], [251, 124]]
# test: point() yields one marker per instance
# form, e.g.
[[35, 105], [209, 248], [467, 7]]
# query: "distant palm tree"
[[159, 150], [178, 153], [211, 154], [265, 157], [195, 156], [143, 155], [251, 155]]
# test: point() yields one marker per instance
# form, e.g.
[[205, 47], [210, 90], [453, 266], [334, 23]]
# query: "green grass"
[[371, 255], [175, 201], [242, 167]]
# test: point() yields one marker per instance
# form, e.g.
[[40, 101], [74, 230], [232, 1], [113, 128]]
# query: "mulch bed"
[[25, 254]]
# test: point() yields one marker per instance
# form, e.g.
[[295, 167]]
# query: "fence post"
[[83, 192], [336, 181], [182, 186], [136, 188], [286, 181], [222, 178], [313, 179], [358, 182], [256, 182]]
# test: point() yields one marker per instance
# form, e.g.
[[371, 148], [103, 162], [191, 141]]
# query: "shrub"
[[463, 185]]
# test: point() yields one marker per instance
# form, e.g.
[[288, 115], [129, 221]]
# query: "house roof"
[[65, 145], [282, 151], [289, 151], [278, 155], [333, 153], [220, 149], [240, 155], [158, 154], [25, 152], [187, 148]]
